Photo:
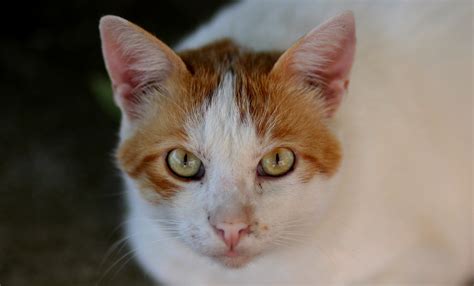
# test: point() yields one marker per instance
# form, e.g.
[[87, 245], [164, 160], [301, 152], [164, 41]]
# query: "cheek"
[[186, 208], [190, 213], [289, 206]]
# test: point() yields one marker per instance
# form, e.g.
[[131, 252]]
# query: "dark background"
[[60, 195]]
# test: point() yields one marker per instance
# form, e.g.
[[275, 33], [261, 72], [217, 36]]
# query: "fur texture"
[[381, 189]]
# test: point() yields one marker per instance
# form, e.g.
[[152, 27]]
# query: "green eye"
[[185, 164], [276, 163]]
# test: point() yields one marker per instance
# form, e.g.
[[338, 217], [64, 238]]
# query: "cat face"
[[229, 149]]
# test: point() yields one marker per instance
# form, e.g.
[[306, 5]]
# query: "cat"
[[264, 150]]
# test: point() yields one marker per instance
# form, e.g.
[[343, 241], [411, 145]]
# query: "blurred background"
[[60, 197]]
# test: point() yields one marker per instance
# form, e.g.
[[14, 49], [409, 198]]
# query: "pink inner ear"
[[119, 64], [336, 74], [123, 79]]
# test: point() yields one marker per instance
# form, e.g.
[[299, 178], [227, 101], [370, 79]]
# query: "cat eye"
[[276, 163], [185, 164]]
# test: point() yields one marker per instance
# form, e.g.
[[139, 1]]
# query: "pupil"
[[185, 159], [277, 157]]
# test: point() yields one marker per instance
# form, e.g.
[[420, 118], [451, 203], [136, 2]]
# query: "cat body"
[[388, 196]]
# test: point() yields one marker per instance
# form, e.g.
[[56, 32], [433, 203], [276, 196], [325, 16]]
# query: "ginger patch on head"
[[282, 112], [287, 113], [143, 154], [292, 116]]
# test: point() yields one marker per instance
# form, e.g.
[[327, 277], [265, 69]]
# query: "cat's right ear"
[[135, 59], [322, 59]]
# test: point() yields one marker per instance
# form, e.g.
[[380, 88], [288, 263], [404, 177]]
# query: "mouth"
[[232, 253]]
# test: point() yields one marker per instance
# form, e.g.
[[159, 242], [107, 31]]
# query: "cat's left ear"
[[323, 58]]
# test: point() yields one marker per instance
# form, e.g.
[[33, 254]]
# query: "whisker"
[[112, 248], [114, 264], [122, 242], [127, 257]]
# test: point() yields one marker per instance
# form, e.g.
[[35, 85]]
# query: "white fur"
[[400, 208]]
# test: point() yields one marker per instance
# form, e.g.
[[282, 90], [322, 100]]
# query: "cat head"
[[228, 149]]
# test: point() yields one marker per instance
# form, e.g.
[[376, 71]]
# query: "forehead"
[[222, 130], [222, 124]]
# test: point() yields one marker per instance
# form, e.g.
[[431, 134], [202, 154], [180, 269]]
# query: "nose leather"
[[231, 233], [231, 223]]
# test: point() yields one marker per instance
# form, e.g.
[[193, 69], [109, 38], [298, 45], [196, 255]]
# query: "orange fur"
[[270, 98]]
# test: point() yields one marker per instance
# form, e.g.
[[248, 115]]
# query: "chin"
[[235, 262]]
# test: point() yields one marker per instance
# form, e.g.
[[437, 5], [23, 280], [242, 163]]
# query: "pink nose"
[[231, 233]]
